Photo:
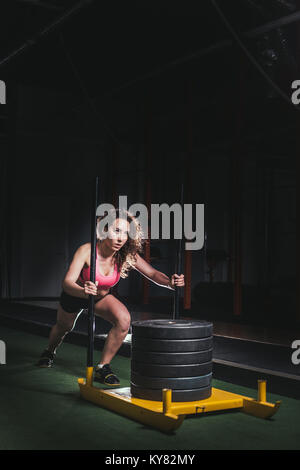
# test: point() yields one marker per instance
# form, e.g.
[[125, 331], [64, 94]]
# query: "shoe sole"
[[104, 383]]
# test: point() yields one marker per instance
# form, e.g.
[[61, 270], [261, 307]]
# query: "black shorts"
[[72, 304]]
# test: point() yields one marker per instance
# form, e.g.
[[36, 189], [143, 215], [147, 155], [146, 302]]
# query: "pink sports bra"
[[103, 281]]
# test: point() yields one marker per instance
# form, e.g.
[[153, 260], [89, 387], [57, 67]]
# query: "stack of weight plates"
[[173, 354]]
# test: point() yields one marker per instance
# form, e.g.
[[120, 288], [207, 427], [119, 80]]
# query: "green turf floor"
[[42, 409]]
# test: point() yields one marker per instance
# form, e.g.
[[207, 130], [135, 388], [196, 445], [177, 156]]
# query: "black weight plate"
[[198, 357], [157, 370], [172, 345], [182, 383], [172, 329], [177, 395]]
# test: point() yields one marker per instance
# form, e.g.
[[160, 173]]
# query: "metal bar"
[[262, 390], [38, 3], [283, 21], [167, 415], [178, 265], [91, 315], [251, 58], [48, 29], [188, 253], [188, 279], [138, 410], [167, 400], [114, 185], [148, 189], [265, 28]]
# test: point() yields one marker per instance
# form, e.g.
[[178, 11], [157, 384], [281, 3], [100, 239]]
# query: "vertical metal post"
[[178, 265], [167, 400], [188, 193], [262, 390], [114, 172], [114, 186], [148, 158], [91, 315]]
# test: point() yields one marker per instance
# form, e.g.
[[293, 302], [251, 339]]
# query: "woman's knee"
[[112, 310], [123, 321]]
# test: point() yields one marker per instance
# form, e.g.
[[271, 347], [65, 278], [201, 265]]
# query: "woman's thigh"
[[112, 310], [66, 320]]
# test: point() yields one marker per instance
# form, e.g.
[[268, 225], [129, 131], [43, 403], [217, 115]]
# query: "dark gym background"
[[147, 95]]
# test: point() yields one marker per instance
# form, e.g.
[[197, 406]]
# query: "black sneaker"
[[106, 376], [46, 359]]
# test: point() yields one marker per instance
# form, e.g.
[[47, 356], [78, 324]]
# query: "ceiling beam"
[[43, 4], [253, 33], [53, 26]]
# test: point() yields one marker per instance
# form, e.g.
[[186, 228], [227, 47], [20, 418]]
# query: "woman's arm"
[[156, 276], [69, 284]]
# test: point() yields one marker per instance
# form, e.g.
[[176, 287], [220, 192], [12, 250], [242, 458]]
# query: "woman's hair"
[[126, 256]]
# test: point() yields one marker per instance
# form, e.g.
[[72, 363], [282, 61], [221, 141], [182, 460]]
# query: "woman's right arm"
[[69, 284]]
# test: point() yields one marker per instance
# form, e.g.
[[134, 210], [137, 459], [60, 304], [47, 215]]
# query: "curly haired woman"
[[116, 254]]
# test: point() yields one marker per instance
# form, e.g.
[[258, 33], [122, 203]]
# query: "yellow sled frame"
[[166, 415]]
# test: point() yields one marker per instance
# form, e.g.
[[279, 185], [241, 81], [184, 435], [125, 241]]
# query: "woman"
[[116, 254]]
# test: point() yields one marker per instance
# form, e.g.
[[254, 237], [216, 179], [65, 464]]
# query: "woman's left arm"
[[156, 276]]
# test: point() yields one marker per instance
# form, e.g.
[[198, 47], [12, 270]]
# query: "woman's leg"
[[112, 310], [64, 324]]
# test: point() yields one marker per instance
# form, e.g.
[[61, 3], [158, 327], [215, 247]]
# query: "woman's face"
[[118, 234]]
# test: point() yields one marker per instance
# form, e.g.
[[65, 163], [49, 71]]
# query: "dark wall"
[[57, 155], [195, 121]]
